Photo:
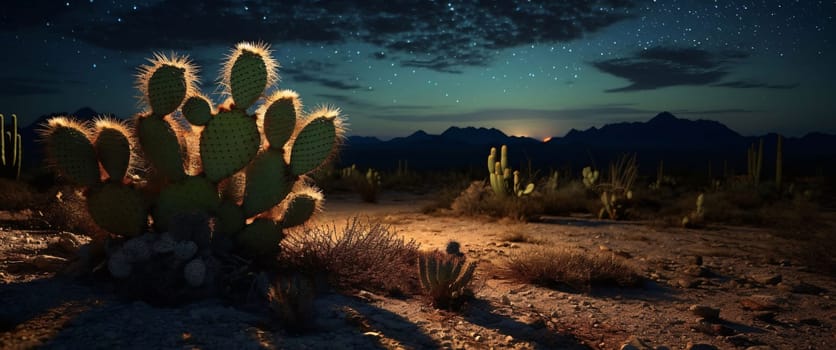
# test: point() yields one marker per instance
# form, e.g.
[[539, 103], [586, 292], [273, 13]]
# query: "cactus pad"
[[313, 145], [114, 150], [197, 110], [261, 238], [300, 209], [229, 218], [267, 183], [71, 152], [161, 146], [118, 209], [192, 194], [248, 77], [167, 87], [280, 117], [228, 143]]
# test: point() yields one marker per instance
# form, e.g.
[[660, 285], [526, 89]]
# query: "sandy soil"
[[764, 300]]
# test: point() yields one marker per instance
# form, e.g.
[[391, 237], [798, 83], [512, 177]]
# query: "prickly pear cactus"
[[245, 171], [504, 181]]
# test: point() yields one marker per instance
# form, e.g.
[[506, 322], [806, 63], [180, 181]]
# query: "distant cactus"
[[552, 181], [244, 171], [445, 278], [612, 204], [697, 217], [779, 162], [590, 177], [754, 162], [11, 149], [504, 181], [368, 185]]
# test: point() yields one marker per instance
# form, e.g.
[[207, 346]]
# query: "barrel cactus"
[[243, 163]]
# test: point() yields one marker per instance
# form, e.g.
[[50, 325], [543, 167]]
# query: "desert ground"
[[712, 288]]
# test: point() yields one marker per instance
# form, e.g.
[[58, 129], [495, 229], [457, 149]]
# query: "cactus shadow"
[[538, 333]]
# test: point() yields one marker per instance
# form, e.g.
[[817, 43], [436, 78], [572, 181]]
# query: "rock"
[[720, 329], [697, 271], [767, 316], [195, 272], [741, 340], [699, 346], [695, 260], [760, 303], [68, 242], [687, 283], [806, 288], [47, 262], [634, 343], [767, 279], [760, 347], [707, 312]]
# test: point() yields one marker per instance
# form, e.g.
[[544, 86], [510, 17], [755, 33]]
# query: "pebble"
[[707, 312], [699, 346], [767, 279], [760, 303]]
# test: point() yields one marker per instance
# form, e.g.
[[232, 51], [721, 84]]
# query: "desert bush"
[[568, 199], [446, 278], [363, 255], [578, 270], [520, 237], [478, 200]]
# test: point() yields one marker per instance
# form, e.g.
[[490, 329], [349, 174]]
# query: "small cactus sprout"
[[445, 278], [504, 181], [696, 218]]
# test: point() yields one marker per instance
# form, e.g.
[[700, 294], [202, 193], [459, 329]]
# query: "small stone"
[[699, 346], [741, 340], [760, 303], [697, 271], [767, 279], [47, 262], [688, 283], [767, 316], [806, 288], [760, 347], [707, 312], [719, 329]]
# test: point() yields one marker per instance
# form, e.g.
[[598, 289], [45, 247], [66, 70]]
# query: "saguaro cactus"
[[779, 162], [11, 149], [755, 163], [504, 181]]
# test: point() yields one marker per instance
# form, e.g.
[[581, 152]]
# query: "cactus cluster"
[[612, 204], [246, 171], [445, 277], [11, 149], [504, 181], [368, 185]]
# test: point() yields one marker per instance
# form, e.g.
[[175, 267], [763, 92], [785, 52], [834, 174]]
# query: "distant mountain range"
[[687, 145]]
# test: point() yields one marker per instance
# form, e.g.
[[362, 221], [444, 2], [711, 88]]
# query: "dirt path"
[[762, 300]]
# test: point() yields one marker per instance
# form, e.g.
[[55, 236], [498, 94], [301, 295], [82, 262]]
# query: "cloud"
[[661, 67], [439, 35], [745, 84], [714, 111]]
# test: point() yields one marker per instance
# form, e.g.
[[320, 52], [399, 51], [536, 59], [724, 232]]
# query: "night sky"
[[532, 68]]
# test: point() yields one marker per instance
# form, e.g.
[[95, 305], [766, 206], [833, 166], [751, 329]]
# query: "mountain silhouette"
[[689, 145]]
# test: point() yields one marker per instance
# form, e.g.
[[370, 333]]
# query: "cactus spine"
[[11, 149], [504, 181]]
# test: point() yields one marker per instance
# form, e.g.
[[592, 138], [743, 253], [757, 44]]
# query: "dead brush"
[[361, 255], [578, 270], [291, 300]]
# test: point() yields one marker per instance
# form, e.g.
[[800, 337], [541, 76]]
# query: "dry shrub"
[[362, 255], [578, 270], [478, 200], [572, 198], [18, 195]]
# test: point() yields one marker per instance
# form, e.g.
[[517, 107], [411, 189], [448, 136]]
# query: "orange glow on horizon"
[[547, 139]]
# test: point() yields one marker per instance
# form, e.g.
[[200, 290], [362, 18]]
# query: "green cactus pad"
[[313, 145], [228, 143], [248, 78], [114, 152], [118, 209], [261, 238], [166, 89], [267, 183], [279, 121], [229, 218], [300, 209], [73, 155], [161, 147], [197, 110], [194, 193]]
